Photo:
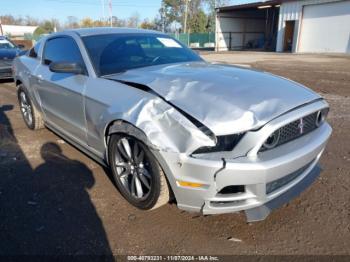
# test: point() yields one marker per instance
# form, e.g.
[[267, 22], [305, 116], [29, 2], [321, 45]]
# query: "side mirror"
[[67, 67], [21, 46]]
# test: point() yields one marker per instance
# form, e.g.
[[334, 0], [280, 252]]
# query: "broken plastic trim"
[[194, 121], [224, 143]]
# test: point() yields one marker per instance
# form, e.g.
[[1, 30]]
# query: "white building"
[[16, 31], [316, 26]]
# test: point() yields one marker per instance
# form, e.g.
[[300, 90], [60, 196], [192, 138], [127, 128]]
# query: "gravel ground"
[[55, 200]]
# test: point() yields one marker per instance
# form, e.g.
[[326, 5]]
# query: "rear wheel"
[[30, 114], [137, 173]]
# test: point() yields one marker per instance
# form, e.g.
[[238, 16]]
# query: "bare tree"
[[72, 22], [134, 20], [29, 20]]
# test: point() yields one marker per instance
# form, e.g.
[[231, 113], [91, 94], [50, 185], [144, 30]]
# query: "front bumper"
[[6, 69], [261, 212], [255, 173]]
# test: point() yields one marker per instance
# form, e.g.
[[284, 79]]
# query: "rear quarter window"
[[34, 51]]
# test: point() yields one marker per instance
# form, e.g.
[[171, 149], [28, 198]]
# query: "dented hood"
[[226, 99]]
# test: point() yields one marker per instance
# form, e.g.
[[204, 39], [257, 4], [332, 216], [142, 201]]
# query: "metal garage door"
[[326, 28]]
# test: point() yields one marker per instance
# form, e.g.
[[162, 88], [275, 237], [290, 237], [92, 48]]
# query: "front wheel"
[[137, 173], [30, 114]]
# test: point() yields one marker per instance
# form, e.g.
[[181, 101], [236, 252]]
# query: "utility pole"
[[186, 14], [103, 10], [163, 17], [1, 31], [111, 12]]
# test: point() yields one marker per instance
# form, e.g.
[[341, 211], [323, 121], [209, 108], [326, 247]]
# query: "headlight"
[[224, 143]]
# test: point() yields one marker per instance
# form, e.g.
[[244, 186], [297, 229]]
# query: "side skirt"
[[85, 149]]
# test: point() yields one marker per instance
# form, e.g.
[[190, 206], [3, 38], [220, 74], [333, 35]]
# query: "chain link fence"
[[197, 40]]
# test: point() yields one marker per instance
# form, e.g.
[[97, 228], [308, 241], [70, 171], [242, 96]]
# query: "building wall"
[[18, 30], [293, 11], [242, 27]]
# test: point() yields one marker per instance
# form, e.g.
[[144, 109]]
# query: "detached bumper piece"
[[260, 213]]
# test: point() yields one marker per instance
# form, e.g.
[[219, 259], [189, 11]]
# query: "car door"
[[61, 94]]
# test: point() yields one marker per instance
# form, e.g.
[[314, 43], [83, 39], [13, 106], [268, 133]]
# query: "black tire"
[[158, 192], [31, 116]]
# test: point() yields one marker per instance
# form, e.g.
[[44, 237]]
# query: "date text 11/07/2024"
[[173, 258]]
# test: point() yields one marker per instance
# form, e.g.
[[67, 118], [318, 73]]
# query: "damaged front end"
[[246, 179], [166, 126], [214, 165]]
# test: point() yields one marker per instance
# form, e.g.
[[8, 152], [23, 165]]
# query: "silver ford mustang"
[[214, 138]]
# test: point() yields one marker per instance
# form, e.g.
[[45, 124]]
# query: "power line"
[[91, 3]]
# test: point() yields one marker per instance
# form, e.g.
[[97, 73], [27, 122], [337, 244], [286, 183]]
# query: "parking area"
[[56, 200]]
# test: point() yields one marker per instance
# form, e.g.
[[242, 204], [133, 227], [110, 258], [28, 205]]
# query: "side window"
[[62, 49], [35, 50]]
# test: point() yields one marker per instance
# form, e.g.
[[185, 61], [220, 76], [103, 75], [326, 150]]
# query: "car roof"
[[109, 30]]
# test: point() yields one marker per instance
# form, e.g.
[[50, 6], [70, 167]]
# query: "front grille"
[[5, 69], [5, 63], [295, 130], [274, 185]]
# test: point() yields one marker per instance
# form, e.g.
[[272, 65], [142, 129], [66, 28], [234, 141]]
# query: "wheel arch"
[[18, 82], [32, 95], [125, 127], [120, 126]]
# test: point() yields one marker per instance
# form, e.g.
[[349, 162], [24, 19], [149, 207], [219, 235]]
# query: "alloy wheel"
[[133, 168], [26, 109]]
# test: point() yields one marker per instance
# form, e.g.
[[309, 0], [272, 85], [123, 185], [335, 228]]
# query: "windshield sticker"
[[168, 42]]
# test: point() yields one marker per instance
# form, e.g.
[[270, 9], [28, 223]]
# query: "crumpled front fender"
[[164, 127]]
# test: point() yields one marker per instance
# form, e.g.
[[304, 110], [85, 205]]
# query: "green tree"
[[40, 31], [48, 26], [197, 23], [45, 27], [197, 19], [171, 12], [174, 11], [212, 5]]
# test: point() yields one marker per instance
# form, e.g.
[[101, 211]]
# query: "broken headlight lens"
[[224, 143]]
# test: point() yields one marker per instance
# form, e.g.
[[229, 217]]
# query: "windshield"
[[116, 53], [5, 44]]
